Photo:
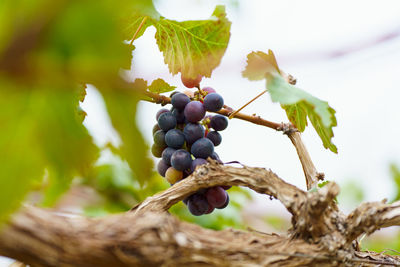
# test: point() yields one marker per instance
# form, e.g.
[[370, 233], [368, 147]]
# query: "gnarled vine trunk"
[[148, 236]]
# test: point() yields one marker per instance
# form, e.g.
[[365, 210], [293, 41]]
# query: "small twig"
[[138, 30], [245, 105]]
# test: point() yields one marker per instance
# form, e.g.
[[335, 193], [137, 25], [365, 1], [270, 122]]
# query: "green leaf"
[[41, 136], [297, 103], [194, 47], [121, 106], [395, 172], [160, 86]]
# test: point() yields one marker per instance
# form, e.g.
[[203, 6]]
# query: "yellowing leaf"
[[194, 47], [297, 103]]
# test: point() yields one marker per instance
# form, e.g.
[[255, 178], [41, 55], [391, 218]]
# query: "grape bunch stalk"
[[184, 137]]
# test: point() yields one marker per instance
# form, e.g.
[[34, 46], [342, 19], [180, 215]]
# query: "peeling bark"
[[148, 236]]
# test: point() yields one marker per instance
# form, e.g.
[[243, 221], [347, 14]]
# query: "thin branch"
[[310, 172], [248, 103]]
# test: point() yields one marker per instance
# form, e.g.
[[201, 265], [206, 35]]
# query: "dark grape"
[[167, 121], [179, 115], [173, 93], [196, 163], [167, 153], [210, 209], [197, 204], [226, 202], [181, 160], [172, 175], [202, 148], [193, 132], [174, 138], [213, 102], [215, 137], [215, 156], [156, 128], [161, 111], [191, 82], [226, 187], [162, 167], [219, 122], [216, 196], [156, 150], [179, 101], [159, 138], [209, 90], [194, 111], [185, 200], [186, 173]]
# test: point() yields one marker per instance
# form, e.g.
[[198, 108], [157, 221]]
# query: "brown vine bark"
[[148, 236]]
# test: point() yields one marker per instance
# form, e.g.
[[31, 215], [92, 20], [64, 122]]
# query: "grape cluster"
[[184, 137]]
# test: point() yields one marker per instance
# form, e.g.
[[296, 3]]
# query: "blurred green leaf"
[[194, 47], [40, 129], [351, 193], [121, 106], [297, 103], [395, 172], [160, 86]]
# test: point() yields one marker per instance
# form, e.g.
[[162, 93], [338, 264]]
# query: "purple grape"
[[181, 160], [162, 167], [179, 115], [193, 132], [213, 102], [194, 111], [179, 101], [197, 162], [197, 204], [156, 150], [226, 202], [159, 138], [161, 111], [219, 122], [202, 148], [174, 138], [216, 196], [167, 153], [215, 137], [167, 121], [215, 156], [210, 209], [226, 187], [209, 90]]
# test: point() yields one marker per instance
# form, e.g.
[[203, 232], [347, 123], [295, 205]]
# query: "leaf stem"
[[245, 105], [138, 30]]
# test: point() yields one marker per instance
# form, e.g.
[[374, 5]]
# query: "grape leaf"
[[160, 86], [297, 103], [194, 47]]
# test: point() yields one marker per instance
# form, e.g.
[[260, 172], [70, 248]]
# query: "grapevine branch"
[[148, 236], [310, 172]]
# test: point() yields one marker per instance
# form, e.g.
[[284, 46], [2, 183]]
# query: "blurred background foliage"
[[48, 51]]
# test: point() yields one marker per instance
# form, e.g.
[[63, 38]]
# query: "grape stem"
[[163, 100], [245, 105], [138, 30]]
